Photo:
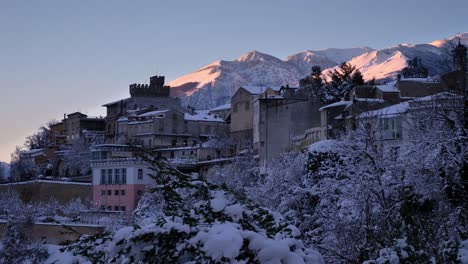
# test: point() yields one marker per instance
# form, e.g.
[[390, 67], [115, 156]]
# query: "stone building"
[[74, 126], [280, 117], [241, 127], [169, 128], [223, 111], [155, 96]]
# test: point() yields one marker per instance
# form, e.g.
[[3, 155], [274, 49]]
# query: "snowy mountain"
[[213, 84], [326, 58]]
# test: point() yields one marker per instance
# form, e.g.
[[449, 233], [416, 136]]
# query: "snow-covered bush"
[[199, 223], [241, 176], [15, 245]]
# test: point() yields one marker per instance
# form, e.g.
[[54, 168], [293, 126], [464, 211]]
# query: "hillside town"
[[99, 159]]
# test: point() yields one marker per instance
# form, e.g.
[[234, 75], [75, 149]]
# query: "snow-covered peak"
[[335, 55], [440, 43], [256, 56]]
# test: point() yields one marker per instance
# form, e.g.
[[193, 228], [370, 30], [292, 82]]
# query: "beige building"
[[169, 128], [279, 118], [76, 125], [241, 128]]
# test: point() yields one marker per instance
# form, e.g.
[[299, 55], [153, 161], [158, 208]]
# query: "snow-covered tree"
[[240, 176], [21, 167], [77, 159], [198, 223], [41, 138], [15, 245], [415, 69]]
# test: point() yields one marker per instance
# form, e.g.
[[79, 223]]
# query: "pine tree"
[[357, 78], [415, 69], [342, 75]]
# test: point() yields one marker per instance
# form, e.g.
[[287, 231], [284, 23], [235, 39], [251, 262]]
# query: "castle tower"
[[459, 57], [461, 69], [156, 88]]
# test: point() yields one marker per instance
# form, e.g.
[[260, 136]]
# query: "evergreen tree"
[[342, 75], [415, 69], [357, 78]]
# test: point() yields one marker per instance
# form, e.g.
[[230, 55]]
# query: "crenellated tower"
[[156, 88]]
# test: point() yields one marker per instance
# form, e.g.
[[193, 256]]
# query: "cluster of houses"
[[259, 121]]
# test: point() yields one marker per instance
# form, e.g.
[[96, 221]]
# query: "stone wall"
[[51, 233], [42, 191]]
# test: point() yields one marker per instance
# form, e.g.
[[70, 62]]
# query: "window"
[[102, 207], [150, 142], [140, 174], [103, 177], [172, 154], [122, 192], [235, 108], [109, 176], [109, 192], [103, 192], [117, 176], [161, 125], [109, 208], [247, 105], [124, 176], [122, 208], [116, 192], [116, 208], [390, 128]]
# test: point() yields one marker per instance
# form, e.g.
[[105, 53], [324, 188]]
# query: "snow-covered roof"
[[180, 148], [387, 111], [345, 103], [49, 181], [203, 115], [140, 122], [110, 146], [322, 146], [122, 119], [117, 101], [33, 152], [442, 95], [222, 107], [153, 113], [389, 87], [259, 89], [403, 107], [424, 80], [369, 100]]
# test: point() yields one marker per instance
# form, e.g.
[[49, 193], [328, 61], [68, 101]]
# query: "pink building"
[[119, 179]]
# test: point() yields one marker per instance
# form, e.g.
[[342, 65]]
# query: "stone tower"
[[461, 69], [156, 88], [459, 57]]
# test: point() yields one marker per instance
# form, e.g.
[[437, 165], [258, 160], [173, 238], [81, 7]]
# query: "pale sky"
[[60, 56]]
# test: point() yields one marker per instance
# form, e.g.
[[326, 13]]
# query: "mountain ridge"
[[213, 84]]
